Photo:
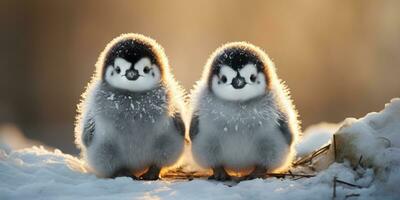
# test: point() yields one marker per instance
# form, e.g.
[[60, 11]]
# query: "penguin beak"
[[238, 82], [132, 74]]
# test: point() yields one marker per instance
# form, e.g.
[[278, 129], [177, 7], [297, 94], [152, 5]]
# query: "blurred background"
[[339, 58]]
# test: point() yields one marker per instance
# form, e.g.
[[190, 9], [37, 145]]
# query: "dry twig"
[[334, 147], [309, 158], [352, 195], [349, 184], [334, 187]]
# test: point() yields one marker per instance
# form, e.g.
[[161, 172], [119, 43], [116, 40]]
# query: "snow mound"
[[374, 141], [37, 173]]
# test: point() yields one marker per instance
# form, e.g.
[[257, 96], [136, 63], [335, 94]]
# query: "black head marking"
[[132, 50], [236, 58]]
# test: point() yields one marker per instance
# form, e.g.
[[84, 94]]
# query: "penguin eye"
[[224, 79], [118, 70], [253, 78], [146, 70]]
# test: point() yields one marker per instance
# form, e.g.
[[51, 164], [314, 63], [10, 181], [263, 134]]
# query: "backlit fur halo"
[[175, 92], [274, 84]]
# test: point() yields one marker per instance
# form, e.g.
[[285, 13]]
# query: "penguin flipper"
[[179, 124], [285, 129], [88, 131], [194, 126]]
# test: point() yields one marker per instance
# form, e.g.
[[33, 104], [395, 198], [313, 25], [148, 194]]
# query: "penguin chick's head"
[[133, 62], [238, 72]]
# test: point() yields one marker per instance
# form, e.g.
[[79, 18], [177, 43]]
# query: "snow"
[[371, 136], [374, 141], [38, 173], [315, 137]]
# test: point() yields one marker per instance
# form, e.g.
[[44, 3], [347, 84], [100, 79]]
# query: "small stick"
[[349, 184], [290, 174], [359, 163], [309, 158], [180, 175], [334, 187], [335, 180], [352, 195], [295, 179], [334, 146]]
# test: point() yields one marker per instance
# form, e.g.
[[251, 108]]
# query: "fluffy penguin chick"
[[242, 116], [130, 115]]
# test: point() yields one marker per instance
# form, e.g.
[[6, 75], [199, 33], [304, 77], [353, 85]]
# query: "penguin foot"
[[151, 174], [219, 174]]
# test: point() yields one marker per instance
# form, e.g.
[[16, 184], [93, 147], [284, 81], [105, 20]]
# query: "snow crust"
[[374, 137], [374, 141], [38, 173]]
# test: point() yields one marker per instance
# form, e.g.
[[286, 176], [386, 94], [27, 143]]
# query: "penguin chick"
[[129, 118], [241, 114]]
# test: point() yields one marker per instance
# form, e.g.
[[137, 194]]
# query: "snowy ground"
[[37, 173]]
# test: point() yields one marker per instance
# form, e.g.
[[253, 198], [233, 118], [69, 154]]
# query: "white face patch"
[[234, 86], [147, 75]]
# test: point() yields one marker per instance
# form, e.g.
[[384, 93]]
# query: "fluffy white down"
[[141, 112], [131, 140], [143, 83], [137, 154], [239, 132]]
